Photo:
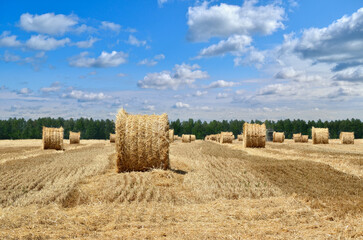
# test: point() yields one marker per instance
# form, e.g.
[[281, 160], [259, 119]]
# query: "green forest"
[[20, 128]]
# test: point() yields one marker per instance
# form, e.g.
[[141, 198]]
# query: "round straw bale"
[[171, 135], [213, 137], [112, 138], [52, 138], [226, 137], [176, 137], [320, 135], [240, 137], [278, 137], [346, 137], [74, 137], [186, 138], [192, 137], [304, 138], [297, 137], [141, 141], [254, 135], [218, 137]]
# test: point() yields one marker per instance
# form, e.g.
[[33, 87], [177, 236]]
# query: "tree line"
[[19, 128]]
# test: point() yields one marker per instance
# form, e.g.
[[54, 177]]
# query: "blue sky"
[[191, 59]]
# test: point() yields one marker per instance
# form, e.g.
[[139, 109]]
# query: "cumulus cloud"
[[181, 105], [25, 91], [149, 107], [235, 44], [222, 95], [222, 84], [200, 93], [182, 75], [7, 40], [136, 42], [86, 44], [84, 96], [45, 43], [54, 87], [151, 62], [35, 61], [161, 2], [252, 57], [291, 74], [110, 26], [354, 74], [9, 57], [106, 59], [48, 23], [159, 57], [224, 20]]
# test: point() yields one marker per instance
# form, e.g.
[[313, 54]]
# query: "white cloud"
[[222, 95], [86, 44], [225, 20], [106, 59], [136, 42], [252, 57], [222, 84], [354, 74], [85, 96], [7, 40], [110, 26], [181, 105], [183, 75], [200, 93], [235, 44], [48, 23], [149, 108], [41, 42], [55, 87], [300, 76], [9, 57], [161, 2], [148, 62], [25, 91], [159, 57]]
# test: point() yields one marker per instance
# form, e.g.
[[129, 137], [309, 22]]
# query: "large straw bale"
[[218, 137], [254, 135], [240, 137], [304, 138], [141, 141], [186, 138], [296, 137], [278, 137], [74, 137], [52, 138], [320, 135], [176, 137], [213, 137], [226, 137], [346, 137], [192, 137], [171, 135], [112, 138]]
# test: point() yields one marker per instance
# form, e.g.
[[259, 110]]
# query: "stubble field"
[[212, 191]]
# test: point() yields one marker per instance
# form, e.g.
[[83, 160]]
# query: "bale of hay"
[[52, 138], [320, 135], [206, 138], [171, 135], [226, 137], [218, 137], [112, 138], [296, 137], [192, 137], [213, 137], [254, 135], [141, 142], [176, 137], [74, 137], [278, 137], [346, 137], [240, 137], [186, 138], [304, 138]]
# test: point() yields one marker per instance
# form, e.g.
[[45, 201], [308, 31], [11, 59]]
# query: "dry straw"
[[186, 138], [176, 137], [112, 137], [304, 138], [226, 137], [213, 137], [74, 137], [171, 135], [346, 137], [297, 137], [240, 137], [141, 142], [278, 137], [254, 135], [320, 135], [52, 138], [192, 137]]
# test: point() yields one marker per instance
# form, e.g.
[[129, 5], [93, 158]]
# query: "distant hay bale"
[[213, 137], [176, 137], [186, 138], [192, 137], [320, 135], [304, 138], [346, 137], [254, 135], [52, 138], [171, 135], [141, 142], [226, 137], [296, 137], [112, 138], [206, 138], [240, 137], [278, 137], [218, 137], [74, 137]]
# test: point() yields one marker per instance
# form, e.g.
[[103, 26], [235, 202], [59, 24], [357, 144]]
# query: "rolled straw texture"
[[112, 137], [346, 137], [297, 137], [320, 135], [186, 138], [254, 135], [52, 138], [74, 137], [278, 137]]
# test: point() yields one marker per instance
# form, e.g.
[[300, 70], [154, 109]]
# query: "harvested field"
[[212, 191]]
